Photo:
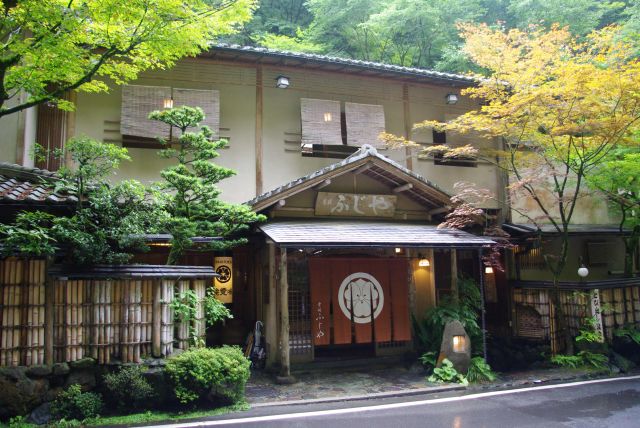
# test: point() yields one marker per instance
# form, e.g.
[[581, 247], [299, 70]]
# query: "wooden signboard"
[[224, 283], [355, 205]]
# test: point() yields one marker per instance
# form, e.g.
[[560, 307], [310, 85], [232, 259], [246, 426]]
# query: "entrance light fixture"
[[398, 250], [424, 262], [488, 269], [282, 82], [167, 103]]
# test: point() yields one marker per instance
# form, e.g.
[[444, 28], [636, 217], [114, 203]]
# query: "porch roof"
[[366, 160], [351, 233]]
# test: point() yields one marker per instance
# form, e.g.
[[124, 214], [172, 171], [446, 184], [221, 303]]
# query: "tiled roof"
[[24, 185], [351, 233], [419, 73], [132, 271], [366, 151], [574, 229]]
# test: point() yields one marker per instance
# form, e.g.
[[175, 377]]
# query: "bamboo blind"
[[207, 100], [320, 121], [106, 319], [365, 122], [137, 103]]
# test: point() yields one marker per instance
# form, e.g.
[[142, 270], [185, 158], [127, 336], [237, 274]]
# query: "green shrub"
[[480, 371], [447, 373], [128, 389], [216, 373], [465, 308], [428, 360], [75, 404]]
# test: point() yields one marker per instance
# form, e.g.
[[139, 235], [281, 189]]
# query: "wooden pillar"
[[408, 126], [49, 295], [156, 327], [454, 274], [285, 366], [258, 131], [271, 325]]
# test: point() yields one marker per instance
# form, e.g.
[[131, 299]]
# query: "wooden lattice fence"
[[108, 312]]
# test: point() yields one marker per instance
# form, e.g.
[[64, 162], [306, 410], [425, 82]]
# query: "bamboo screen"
[[320, 121], [137, 103], [123, 319], [622, 303], [22, 312], [365, 122], [207, 100]]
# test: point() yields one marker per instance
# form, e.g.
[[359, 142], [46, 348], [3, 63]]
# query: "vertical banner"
[[596, 312], [224, 283], [319, 282]]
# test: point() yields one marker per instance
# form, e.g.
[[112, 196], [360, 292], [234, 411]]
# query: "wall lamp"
[[451, 98], [282, 82], [424, 262]]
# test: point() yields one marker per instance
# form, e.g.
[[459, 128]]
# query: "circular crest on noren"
[[359, 295], [225, 274]]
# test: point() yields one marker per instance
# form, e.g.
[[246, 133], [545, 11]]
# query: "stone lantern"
[[456, 346]]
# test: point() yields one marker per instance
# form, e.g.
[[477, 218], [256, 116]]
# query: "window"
[[440, 139], [138, 101], [329, 132]]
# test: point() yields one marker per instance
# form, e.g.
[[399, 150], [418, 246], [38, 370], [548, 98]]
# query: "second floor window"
[[330, 131]]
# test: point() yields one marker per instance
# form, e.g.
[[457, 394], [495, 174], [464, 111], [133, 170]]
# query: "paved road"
[[609, 403]]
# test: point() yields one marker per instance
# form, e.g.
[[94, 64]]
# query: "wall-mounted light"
[[167, 103], [282, 82], [582, 270], [451, 98], [327, 117], [398, 250], [488, 269], [424, 262]]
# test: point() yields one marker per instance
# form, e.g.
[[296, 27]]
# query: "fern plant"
[[480, 371]]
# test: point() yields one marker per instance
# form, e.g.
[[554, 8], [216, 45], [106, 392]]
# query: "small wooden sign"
[[355, 205], [224, 283]]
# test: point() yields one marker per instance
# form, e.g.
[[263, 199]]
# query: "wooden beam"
[[363, 168], [408, 126], [439, 210], [258, 131], [402, 188], [324, 184]]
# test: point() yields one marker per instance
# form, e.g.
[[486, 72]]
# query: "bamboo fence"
[[64, 319], [620, 307]]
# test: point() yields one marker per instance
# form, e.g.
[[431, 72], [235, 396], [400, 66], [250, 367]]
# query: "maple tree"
[[50, 47], [618, 177], [556, 106]]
